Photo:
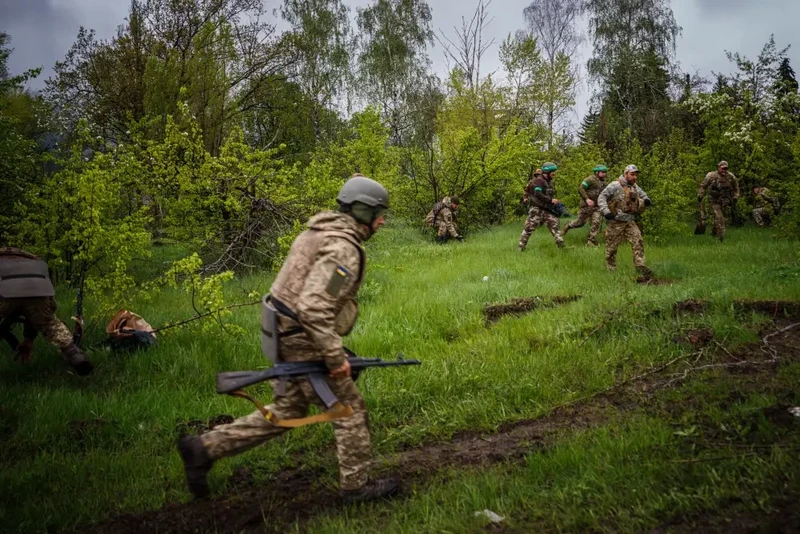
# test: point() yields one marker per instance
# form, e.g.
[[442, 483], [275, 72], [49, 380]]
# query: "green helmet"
[[365, 190], [364, 198], [600, 168], [549, 167]]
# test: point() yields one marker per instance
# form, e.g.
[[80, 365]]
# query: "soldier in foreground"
[[314, 295], [441, 217], [621, 203], [764, 206], [589, 190], [26, 294], [543, 203], [723, 191]]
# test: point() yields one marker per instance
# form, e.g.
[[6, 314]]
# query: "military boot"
[[566, 229], [441, 239], [74, 356], [372, 490], [196, 463]]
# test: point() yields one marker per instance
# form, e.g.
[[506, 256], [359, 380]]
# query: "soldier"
[[26, 294], [441, 218], [621, 203], [526, 196], [589, 190], [723, 190], [314, 293], [542, 204], [764, 206]]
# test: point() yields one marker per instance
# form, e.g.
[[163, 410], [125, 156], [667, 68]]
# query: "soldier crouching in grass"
[[26, 294], [314, 294], [621, 203]]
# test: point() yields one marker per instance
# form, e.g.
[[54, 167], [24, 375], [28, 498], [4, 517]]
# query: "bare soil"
[[495, 312], [295, 495]]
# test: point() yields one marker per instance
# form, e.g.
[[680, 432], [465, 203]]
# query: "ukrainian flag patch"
[[337, 281]]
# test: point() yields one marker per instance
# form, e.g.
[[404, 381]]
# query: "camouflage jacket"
[[443, 216], [624, 200], [318, 283], [765, 201], [541, 193], [591, 188], [721, 190]]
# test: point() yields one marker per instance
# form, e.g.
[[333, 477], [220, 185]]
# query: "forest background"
[[201, 126]]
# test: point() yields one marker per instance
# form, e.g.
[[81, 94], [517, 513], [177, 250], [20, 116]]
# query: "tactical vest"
[[549, 191], [292, 277], [628, 203], [24, 277], [721, 189]]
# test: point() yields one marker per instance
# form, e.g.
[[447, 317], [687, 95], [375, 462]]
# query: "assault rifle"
[[316, 372]]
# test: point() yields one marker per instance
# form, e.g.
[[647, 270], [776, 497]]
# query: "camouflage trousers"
[[762, 216], [443, 229], [536, 218], [352, 433], [719, 220], [616, 233], [585, 213], [40, 315]]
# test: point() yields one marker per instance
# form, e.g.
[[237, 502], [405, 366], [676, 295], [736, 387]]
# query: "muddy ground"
[[295, 495]]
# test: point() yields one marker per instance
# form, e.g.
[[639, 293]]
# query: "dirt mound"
[[699, 337], [495, 312], [773, 308], [690, 306], [782, 518]]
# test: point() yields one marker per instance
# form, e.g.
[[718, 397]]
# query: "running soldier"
[[543, 201], [589, 190]]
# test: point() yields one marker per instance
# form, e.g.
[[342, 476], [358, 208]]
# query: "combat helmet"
[[363, 198], [549, 167]]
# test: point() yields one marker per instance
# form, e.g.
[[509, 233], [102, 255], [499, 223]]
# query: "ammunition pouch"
[[346, 318]]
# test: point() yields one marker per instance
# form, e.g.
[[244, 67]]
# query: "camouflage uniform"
[[764, 207], [443, 219], [27, 293], [540, 193], [589, 189], [626, 202], [325, 311], [721, 192]]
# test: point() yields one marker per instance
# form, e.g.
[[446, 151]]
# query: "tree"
[[219, 50], [634, 44], [322, 38], [393, 62], [467, 47], [552, 23], [20, 114]]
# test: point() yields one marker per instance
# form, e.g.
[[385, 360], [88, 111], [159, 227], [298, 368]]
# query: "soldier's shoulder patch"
[[336, 282]]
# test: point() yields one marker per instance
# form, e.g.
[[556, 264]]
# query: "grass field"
[[77, 451]]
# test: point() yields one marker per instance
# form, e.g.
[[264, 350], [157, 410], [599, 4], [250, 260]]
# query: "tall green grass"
[[77, 450]]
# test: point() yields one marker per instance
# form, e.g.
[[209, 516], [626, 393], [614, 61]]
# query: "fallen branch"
[[204, 315]]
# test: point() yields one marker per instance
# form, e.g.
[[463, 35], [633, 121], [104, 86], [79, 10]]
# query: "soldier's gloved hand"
[[647, 202], [460, 238], [609, 216]]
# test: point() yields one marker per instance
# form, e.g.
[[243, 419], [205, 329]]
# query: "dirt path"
[[295, 495]]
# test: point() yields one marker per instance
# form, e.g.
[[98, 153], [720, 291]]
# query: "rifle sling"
[[337, 411]]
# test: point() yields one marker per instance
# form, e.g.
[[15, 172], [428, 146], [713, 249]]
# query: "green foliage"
[[77, 220]]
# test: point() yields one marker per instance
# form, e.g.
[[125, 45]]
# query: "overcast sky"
[[43, 30]]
